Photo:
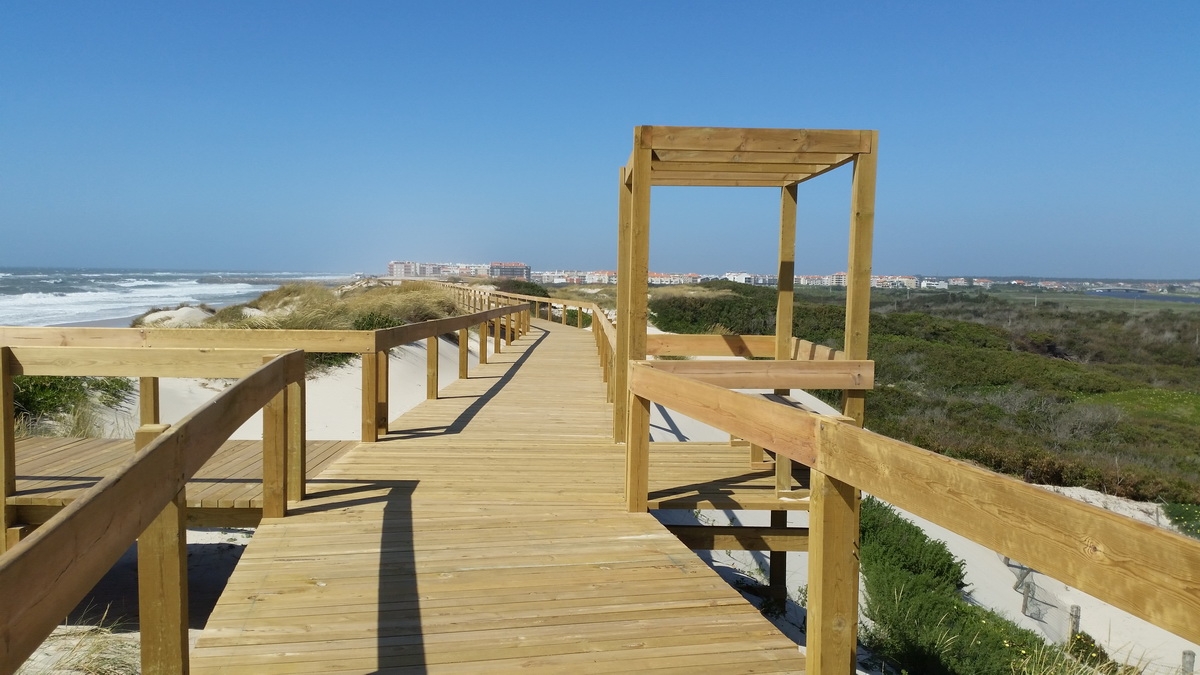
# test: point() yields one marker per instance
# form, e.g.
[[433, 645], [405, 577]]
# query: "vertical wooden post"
[[832, 576], [579, 316], [637, 454], [834, 505], [563, 316], [496, 335], [148, 400], [8, 449], [783, 309], [778, 580], [431, 368], [483, 336], [636, 280], [370, 430], [621, 358], [858, 272], [783, 352], [382, 361], [162, 580], [275, 454], [508, 330], [297, 437], [464, 341]]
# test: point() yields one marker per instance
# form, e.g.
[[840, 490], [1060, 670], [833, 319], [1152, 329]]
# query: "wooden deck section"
[[488, 533], [227, 491]]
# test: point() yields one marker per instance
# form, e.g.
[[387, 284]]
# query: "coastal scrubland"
[[1107, 400]]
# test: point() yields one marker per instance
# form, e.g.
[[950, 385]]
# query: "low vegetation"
[[66, 406], [364, 306], [1104, 400]]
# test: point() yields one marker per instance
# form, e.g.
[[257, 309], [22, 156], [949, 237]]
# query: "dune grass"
[[310, 306]]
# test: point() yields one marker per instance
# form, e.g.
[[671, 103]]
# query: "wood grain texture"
[[45, 575], [163, 581], [1149, 572], [783, 375]]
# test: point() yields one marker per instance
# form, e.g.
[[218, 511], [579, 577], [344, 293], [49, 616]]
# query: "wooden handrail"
[[1147, 571], [48, 573]]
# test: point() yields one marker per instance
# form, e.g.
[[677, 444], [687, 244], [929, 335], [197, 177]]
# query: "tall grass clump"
[[66, 406], [364, 306]]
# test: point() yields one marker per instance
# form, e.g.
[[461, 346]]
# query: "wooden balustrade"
[[1146, 571], [46, 574]]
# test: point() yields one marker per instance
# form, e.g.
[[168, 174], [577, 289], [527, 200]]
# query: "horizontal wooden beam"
[[1144, 570], [692, 177], [671, 344], [723, 182], [341, 341], [668, 344], [721, 537], [136, 362], [746, 169], [735, 156], [755, 140], [775, 374], [757, 420]]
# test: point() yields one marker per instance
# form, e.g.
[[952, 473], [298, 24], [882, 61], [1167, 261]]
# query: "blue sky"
[[1021, 138]]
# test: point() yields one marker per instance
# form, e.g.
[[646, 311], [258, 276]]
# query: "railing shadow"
[[399, 639], [464, 418]]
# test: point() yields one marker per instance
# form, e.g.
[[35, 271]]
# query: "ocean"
[[47, 296]]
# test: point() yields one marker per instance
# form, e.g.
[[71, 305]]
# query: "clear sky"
[[1017, 138]]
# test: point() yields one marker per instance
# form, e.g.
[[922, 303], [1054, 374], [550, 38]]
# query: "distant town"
[[519, 270]]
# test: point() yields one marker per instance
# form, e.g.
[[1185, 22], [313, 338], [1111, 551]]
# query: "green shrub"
[[522, 287], [44, 403], [920, 621]]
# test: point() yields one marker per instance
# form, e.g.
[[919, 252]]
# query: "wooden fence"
[[371, 345], [45, 575]]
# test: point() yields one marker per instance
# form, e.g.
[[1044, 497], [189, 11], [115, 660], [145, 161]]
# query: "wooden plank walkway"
[[52, 472], [486, 533]]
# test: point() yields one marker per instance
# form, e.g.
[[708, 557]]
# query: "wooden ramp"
[[227, 491], [486, 533]]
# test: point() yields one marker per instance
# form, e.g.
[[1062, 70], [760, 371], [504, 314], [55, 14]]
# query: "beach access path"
[[487, 533]]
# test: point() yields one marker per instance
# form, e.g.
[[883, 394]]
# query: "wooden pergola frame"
[[780, 158]]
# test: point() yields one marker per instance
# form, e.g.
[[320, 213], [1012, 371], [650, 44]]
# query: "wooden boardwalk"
[[227, 491], [487, 533]]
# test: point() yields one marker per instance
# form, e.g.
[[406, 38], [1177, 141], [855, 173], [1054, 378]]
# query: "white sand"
[[334, 397]]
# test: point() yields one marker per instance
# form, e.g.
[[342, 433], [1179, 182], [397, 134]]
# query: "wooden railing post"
[[297, 437], [508, 330], [370, 392], [275, 454], [9, 535], [563, 316], [579, 316], [496, 335], [148, 400], [382, 417], [431, 368], [464, 336], [162, 580], [637, 454], [483, 336]]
